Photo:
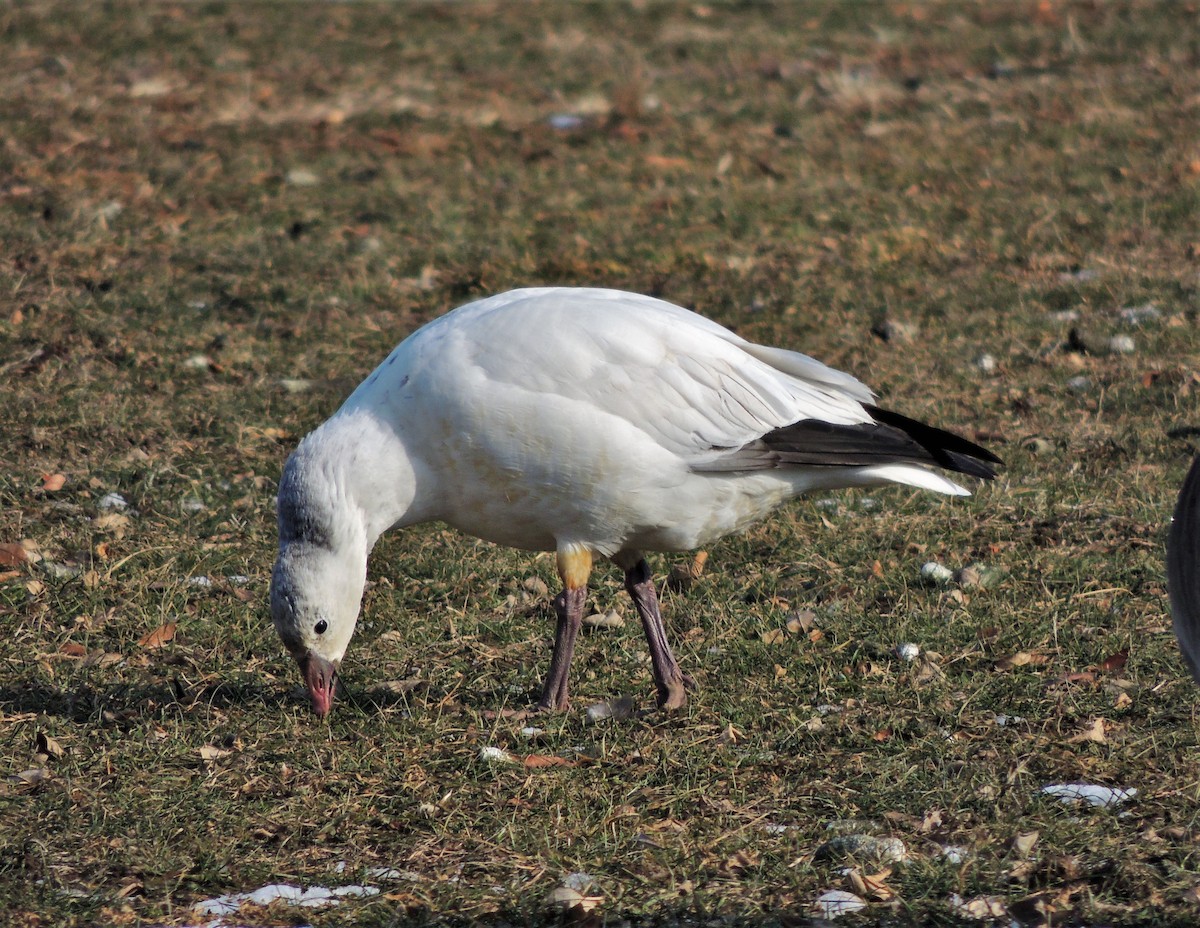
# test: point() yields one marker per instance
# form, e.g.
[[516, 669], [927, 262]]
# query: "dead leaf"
[[773, 636], [1024, 844], [1093, 731], [44, 744], [159, 637], [665, 162], [12, 555], [803, 621], [1114, 661], [873, 885], [31, 777], [983, 907], [52, 483], [742, 860], [211, 752], [1082, 676], [115, 522], [931, 822], [102, 658], [546, 760], [1021, 659], [72, 649]]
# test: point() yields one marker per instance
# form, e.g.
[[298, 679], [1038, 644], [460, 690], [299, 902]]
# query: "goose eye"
[[320, 627]]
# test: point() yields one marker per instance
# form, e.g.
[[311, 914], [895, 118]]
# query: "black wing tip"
[[948, 449]]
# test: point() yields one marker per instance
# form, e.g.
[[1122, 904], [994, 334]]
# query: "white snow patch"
[[312, 897], [1093, 795]]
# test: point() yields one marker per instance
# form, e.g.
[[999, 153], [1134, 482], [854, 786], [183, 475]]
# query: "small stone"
[[495, 755], [198, 362], [110, 210], [908, 651], [302, 177], [564, 122], [1122, 344], [986, 364], [863, 847], [935, 573], [536, 586], [113, 501], [1085, 342], [968, 577], [1039, 446], [296, 385], [801, 621], [1079, 384], [621, 708], [604, 620], [892, 330]]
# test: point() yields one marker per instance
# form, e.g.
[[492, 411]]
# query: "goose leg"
[[574, 566], [670, 681]]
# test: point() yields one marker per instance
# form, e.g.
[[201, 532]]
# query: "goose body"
[[594, 423]]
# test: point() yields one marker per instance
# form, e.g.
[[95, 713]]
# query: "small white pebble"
[[302, 177], [192, 504], [1079, 384], [908, 651], [934, 572], [986, 363], [495, 755], [1122, 344], [530, 731], [954, 854], [564, 121], [113, 501], [198, 362], [599, 712]]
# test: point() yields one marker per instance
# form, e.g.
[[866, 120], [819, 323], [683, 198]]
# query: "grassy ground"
[[201, 204]]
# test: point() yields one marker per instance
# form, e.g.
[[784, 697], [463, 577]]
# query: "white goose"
[[593, 423]]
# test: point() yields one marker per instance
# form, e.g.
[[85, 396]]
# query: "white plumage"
[[594, 423]]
